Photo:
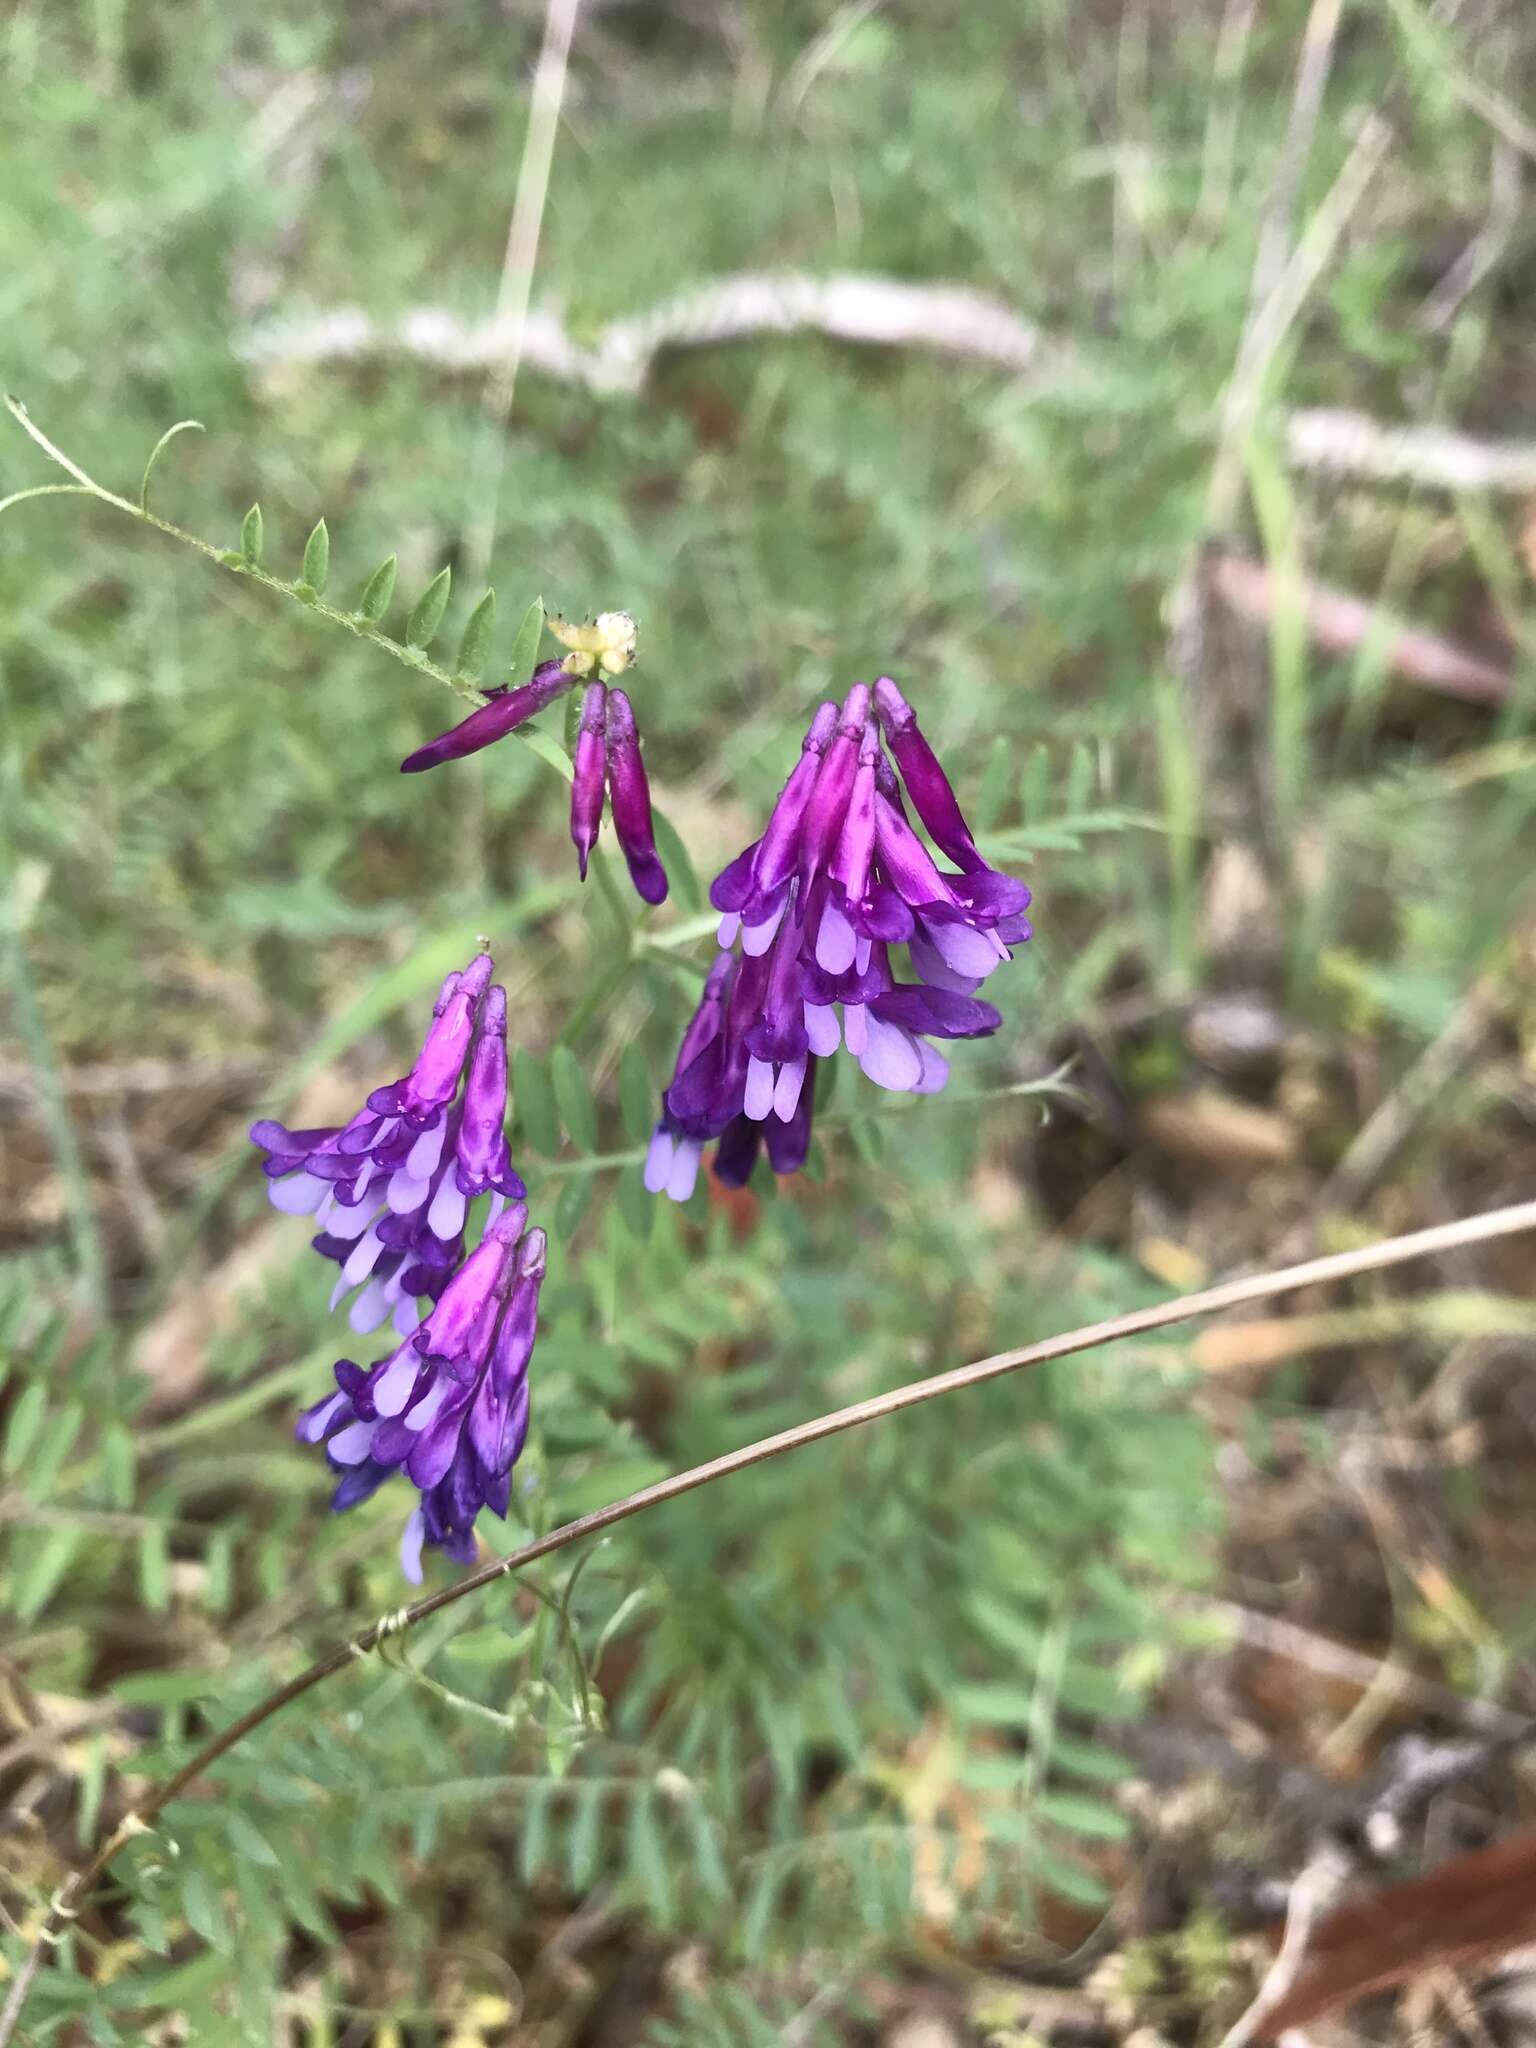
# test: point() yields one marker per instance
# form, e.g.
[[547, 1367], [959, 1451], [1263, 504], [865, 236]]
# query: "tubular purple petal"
[[937, 1012], [736, 1153], [503, 714], [774, 860], [630, 795], [926, 781], [587, 777], [828, 802]]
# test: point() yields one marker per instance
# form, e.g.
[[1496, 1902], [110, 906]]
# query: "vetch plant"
[[841, 928]]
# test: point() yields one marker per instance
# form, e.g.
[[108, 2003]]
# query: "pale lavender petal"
[[363, 1258], [406, 1320], [421, 1161], [757, 938], [351, 1220], [405, 1192], [370, 1307], [425, 1411], [412, 1537], [821, 1028], [729, 926], [786, 1093], [855, 1027], [297, 1194], [392, 1388], [936, 970], [891, 1058], [836, 942], [963, 950], [685, 1169], [351, 1445], [314, 1422], [445, 1218], [658, 1160], [758, 1099], [935, 1069]]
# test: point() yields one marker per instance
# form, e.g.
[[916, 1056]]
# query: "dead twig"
[[875, 312], [1338, 623], [1280, 1638], [1315, 1889], [864, 310]]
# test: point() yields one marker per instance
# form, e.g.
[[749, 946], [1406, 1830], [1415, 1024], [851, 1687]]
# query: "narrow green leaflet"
[[637, 1093], [380, 588], [250, 538], [427, 612], [525, 645], [535, 1099], [578, 1112], [317, 559], [476, 641]]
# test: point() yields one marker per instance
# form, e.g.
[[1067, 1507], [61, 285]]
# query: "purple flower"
[[391, 1188], [448, 1407], [630, 795], [506, 710], [809, 915], [607, 744]]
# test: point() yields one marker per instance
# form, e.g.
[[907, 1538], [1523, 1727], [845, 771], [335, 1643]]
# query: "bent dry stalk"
[[1394, 1251]]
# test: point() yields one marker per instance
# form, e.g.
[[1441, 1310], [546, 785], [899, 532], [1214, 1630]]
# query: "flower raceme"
[[448, 1407], [607, 753], [391, 1189], [810, 915]]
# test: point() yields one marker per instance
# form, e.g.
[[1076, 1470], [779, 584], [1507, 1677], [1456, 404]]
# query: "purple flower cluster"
[[449, 1407], [809, 915], [392, 1191], [391, 1188], [607, 744]]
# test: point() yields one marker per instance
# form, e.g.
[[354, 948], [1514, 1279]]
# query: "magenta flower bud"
[[503, 714], [433, 1082], [494, 1420], [855, 849], [631, 798], [587, 781], [774, 861], [450, 1329], [484, 1162], [828, 803], [929, 786], [906, 860]]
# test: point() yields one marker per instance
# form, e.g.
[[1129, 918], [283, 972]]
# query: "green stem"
[[360, 628]]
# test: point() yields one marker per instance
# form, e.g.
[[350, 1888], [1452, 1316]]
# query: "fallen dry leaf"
[[1215, 1129]]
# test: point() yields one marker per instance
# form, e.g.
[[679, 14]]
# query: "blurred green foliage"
[[875, 1683]]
